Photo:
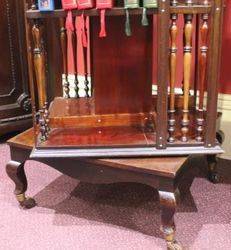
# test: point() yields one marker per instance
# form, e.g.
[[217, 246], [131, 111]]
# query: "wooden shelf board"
[[118, 11], [98, 137]]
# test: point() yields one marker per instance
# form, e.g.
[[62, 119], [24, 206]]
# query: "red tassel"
[[70, 51], [102, 24], [83, 31], [69, 21]]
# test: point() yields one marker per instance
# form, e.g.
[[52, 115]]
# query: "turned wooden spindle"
[[63, 40], [188, 30], [40, 74], [46, 119], [74, 45], [202, 75], [85, 58], [39, 64], [42, 126], [30, 75], [173, 61]]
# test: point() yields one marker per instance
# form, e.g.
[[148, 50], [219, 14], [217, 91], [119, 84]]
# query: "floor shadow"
[[128, 205]]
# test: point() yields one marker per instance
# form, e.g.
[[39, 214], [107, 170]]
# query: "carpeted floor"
[[72, 215]]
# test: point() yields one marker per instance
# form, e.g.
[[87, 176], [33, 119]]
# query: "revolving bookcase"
[[121, 117], [114, 111]]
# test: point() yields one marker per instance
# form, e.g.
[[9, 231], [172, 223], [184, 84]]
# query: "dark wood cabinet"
[[15, 108]]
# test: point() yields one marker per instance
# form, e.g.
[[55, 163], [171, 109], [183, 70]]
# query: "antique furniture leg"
[[15, 170], [168, 202], [212, 168]]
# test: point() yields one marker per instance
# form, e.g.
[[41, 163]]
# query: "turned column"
[[173, 62], [188, 30], [75, 49], [40, 74], [85, 54], [202, 75], [63, 40]]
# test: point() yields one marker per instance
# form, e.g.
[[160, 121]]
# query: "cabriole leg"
[[212, 168], [168, 203], [15, 170]]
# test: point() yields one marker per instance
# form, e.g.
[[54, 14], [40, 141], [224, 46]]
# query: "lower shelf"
[[119, 136]]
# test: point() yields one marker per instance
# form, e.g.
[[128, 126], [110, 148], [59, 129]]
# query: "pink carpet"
[[74, 215]]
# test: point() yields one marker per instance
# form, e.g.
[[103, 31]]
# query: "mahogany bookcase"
[[120, 117]]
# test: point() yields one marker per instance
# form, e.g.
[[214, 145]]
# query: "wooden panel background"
[[122, 67]]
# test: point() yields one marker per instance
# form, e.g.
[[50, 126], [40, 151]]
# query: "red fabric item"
[[69, 4], [104, 4], [102, 24], [83, 31], [85, 4], [70, 50]]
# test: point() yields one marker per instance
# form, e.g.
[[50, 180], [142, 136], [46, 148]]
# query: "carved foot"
[[168, 202], [212, 169], [15, 170], [25, 202]]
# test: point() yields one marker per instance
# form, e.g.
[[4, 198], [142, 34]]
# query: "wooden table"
[[164, 174]]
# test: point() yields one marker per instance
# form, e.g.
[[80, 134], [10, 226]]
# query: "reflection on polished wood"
[[98, 137]]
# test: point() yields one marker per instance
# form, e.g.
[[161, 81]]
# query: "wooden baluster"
[[188, 30], [42, 125], [46, 119], [173, 50], [63, 40], [74, 45], [39, 64], [202, 74], [30, 74], [40, 74], [85, 56]]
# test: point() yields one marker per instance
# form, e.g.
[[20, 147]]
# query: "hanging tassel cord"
[[102, 32]]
